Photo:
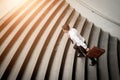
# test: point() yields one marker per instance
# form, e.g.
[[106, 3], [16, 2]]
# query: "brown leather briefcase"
[[95, 52]]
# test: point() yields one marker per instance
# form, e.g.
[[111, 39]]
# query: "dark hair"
[[65, 27]]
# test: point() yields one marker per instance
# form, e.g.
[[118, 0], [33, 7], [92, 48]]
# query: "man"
[[78, 41]]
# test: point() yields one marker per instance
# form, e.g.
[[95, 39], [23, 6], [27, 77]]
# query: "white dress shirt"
[[76, 38]]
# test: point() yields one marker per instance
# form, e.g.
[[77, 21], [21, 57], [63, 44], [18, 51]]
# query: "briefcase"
[[95, 52]]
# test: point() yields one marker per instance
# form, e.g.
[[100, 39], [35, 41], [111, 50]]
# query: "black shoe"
[[93, 63], [80, 55]]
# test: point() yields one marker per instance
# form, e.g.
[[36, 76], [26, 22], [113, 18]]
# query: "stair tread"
[[93, 38], [79, 63], [5, 43], [103, 69], [54, 41], [46, 56], [113, 59], [12, 14], [87, 30], [18, 21], [34, 37], [69, 62], [57, 61], [28, 46], [68, 68], [81, 23], [22, 44], [12, 51], [93, 41], [7, 24], [15, 31]]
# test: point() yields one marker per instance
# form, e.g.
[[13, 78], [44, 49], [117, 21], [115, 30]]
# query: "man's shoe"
[[80, 55], [93, 63]]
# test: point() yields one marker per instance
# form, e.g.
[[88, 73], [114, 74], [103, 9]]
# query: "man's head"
[[65, 28]]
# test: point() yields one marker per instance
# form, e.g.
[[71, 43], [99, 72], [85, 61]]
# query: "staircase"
[[33, 46]]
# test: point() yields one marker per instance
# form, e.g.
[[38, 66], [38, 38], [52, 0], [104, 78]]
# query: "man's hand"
[[87, 49]]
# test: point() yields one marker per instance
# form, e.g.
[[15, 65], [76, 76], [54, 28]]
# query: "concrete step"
[[81, 23], [18, 30], [12, 14], [51, 48], [9, 38], [56, 39], [66, 72], [67, 49], [8, 53], [103, 73], [79, 63], [19, 40], [8, 28], [113, 59], [41, 24], [57, 63], [13, 27], [86, 31], [10, 19], [44, 57], [93, 41]]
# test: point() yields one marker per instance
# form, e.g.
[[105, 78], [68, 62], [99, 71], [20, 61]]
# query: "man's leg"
[[80, 54], [93, 61]]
